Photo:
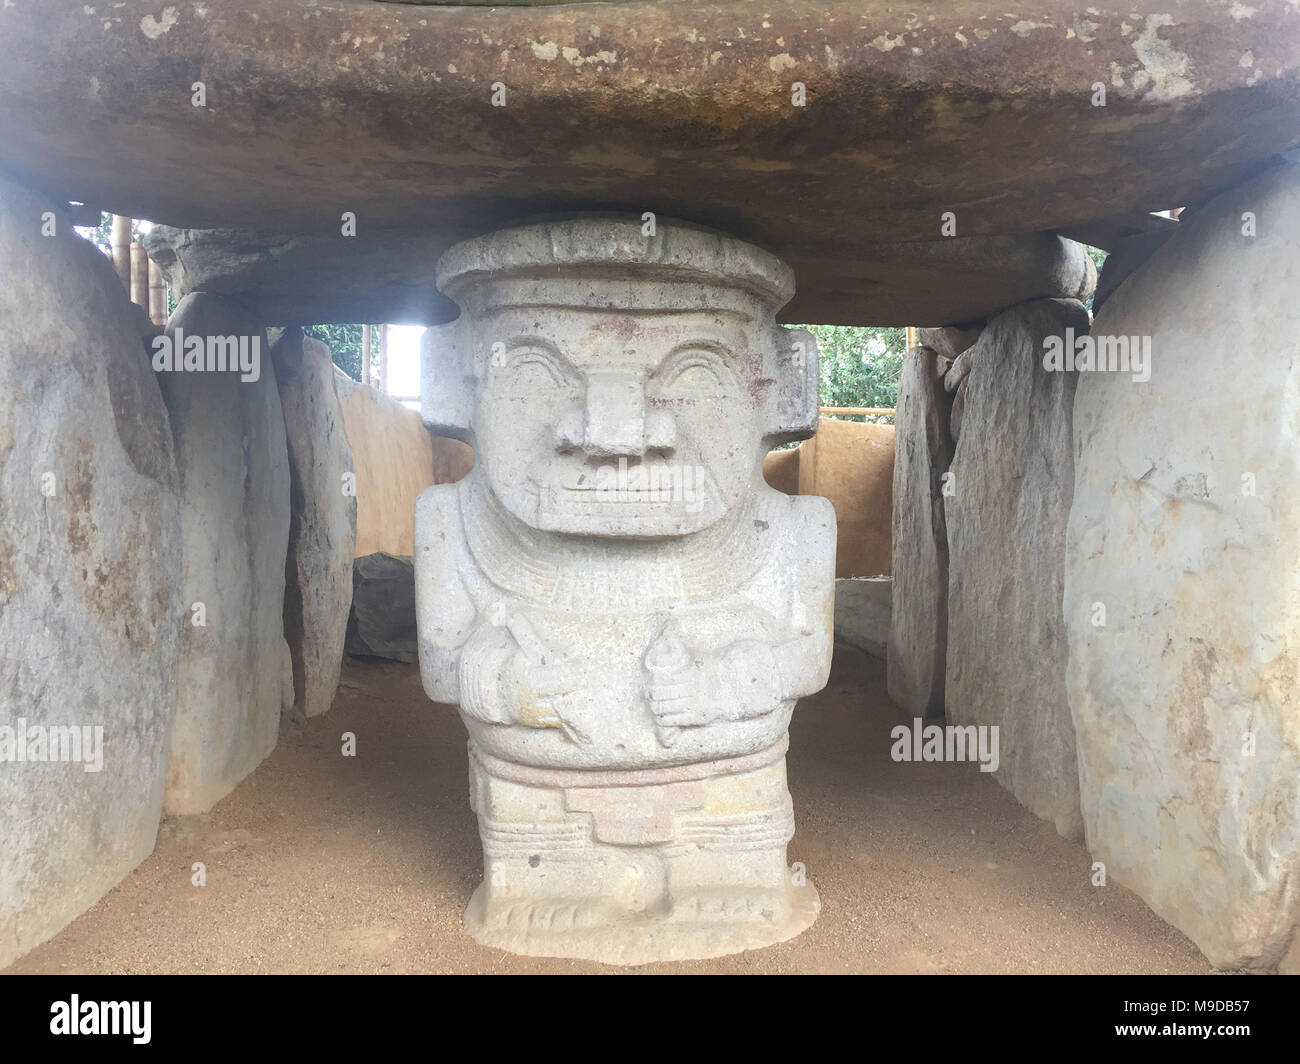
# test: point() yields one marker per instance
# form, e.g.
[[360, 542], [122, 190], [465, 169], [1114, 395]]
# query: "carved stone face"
[[625, 421], [614, 382]]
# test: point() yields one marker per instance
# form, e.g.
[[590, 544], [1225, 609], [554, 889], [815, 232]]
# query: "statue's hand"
[[677, 688], [543, 681], [752, 679]]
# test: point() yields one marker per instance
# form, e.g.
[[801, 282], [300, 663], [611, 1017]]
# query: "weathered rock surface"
[[387, 111], [382, 622], [1125, 257], [1186, 531], [323, 518], [234, 480], [394, 458], [90, 564], [307, 280], [389, 277], [958, 408], [958, 368], [949, 341], [919, 615], [1012, 481], [862, 608]]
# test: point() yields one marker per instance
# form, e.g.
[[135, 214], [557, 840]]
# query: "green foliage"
[[1098, 257], [860, 366], [101, 235], [344, 341]]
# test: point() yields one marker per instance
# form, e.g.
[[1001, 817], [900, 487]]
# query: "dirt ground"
[[325, 863]]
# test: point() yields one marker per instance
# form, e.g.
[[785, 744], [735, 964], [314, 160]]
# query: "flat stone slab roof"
[[316, 107]]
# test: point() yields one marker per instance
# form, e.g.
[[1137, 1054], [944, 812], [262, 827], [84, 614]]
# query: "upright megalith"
[[1182, 586], [90, 562], [1005, 510], [919, 614], [322, 518], [216, 376], [623, 610]]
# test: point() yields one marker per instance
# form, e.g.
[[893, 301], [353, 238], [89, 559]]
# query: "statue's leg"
[[629, 867]]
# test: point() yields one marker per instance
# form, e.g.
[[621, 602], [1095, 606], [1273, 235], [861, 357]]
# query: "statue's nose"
[[614, 421]]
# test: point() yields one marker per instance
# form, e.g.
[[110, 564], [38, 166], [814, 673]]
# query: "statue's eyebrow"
[[716, 348], [548, 347]]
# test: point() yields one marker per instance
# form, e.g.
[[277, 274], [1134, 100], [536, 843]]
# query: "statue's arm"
[[445, 613], [488, 661], [762, 674]]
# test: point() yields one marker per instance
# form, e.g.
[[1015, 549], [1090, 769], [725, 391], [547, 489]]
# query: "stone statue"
[[622, 608]]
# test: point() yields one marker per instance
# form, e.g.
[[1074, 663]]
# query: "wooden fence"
[[140, 276]]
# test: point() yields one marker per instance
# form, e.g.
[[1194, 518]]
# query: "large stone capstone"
[[1182, 581], [90, 577], [813, 129], [622, 609], [306, 279]]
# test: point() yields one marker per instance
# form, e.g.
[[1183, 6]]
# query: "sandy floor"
[[320, 863]]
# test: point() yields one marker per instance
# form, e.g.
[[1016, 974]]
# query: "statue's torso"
[[600, 604]]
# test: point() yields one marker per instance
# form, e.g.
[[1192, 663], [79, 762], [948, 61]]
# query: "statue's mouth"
[[643, 481], [625, 489]]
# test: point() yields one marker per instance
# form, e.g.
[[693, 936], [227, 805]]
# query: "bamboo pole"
[[139, 275], [365, 354], [157, 295], [911, 337], [121, 245], [383, 358], [852, 411]]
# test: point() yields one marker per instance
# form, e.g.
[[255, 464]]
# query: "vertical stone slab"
[[89, 579], [919, 615], [1012, 481], [1185, 530], [234, 479], [323, 519]]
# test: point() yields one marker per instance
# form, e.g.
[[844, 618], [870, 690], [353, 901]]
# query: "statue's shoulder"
[[814, 512], [801, 514], [805, 526], [438, 526]]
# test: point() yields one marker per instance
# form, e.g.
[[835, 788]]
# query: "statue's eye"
[[528, 368], [696, 374]]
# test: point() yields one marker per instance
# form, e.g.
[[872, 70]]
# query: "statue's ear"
[[797, 387], [447, 381]]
